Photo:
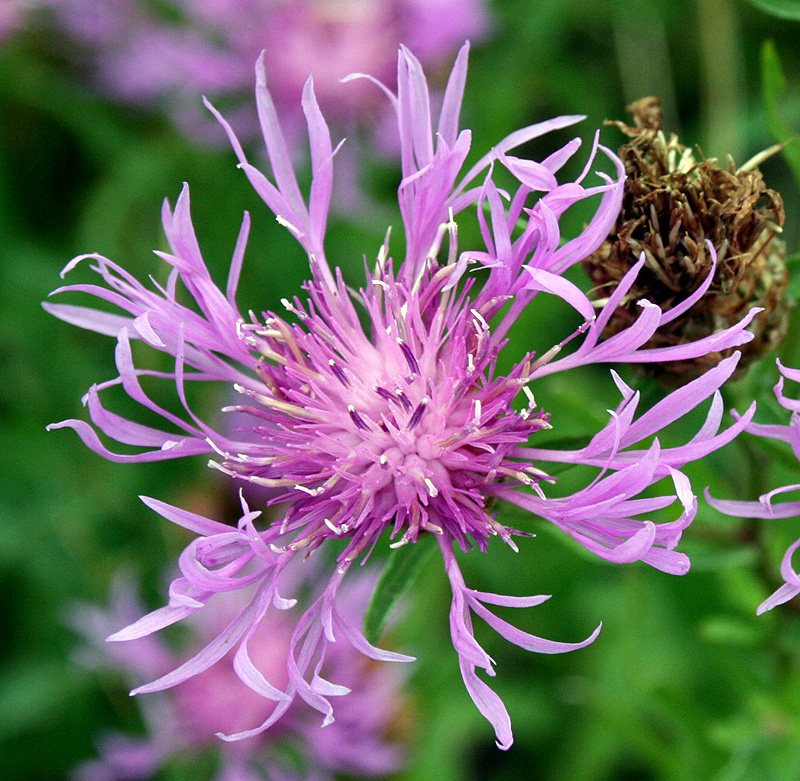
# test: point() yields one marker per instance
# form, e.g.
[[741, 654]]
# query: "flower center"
[[404, 428]]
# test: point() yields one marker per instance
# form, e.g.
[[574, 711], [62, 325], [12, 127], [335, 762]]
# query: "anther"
[[409, 356], [385, 394], [338, 373], [480, 319], [288, 225], [417, 415], [433, 491], [404, 400], [356, 418], [332, 526], [527, 391], [216, 449]]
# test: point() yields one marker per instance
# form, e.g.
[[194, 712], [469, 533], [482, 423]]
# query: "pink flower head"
[[764, 507], [184, 719], [379, 415]]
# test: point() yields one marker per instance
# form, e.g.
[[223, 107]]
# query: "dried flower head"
[[674, 204], [378, 414]]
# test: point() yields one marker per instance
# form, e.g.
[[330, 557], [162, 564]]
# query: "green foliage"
[[396, 578], [783, 9], [773, 84]]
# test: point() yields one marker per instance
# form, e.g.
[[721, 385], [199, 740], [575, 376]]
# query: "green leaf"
[[398, 574], [773, 83], [783, 9]]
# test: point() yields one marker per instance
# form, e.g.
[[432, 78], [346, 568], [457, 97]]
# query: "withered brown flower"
[[676, 199]]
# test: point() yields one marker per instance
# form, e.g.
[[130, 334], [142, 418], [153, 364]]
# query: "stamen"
[[383, 253], [531, 401], [339, 373], [385, 394], [478, 411], [503, 531], [288, 225], [265, 481], [433, 491], [409, 356], [556, 349], [282, 406], [222, 453], [332, 526], [356, 418], [404, 400], [478, 316], [417, 416], [452, 229]]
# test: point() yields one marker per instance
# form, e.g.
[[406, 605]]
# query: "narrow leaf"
[[783, 9], [398, 574]]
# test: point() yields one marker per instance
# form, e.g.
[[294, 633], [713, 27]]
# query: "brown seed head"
[[675, 200]]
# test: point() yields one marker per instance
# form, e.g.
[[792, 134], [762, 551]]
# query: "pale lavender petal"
[[237, 260], [192, 521], [90, 319], [781, 596], [277, 149], [211, 654], [526, 640], [453, 95], [509, 601], [489, 704]]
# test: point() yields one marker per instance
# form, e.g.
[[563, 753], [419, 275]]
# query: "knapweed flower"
[[168, 56], [377, 414], [183, 720], [764, 507], [674, 205]]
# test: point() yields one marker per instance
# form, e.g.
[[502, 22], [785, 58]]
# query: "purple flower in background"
[[764, 507], [186, 717], [378, 413], [209, 48], [11, 16]]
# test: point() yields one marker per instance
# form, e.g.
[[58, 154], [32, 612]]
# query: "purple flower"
[[378, 413], [12, 14], [764, 507], [141, 57], [185, 718]]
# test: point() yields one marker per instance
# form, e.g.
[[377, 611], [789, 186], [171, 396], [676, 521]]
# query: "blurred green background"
[[684, 682]]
